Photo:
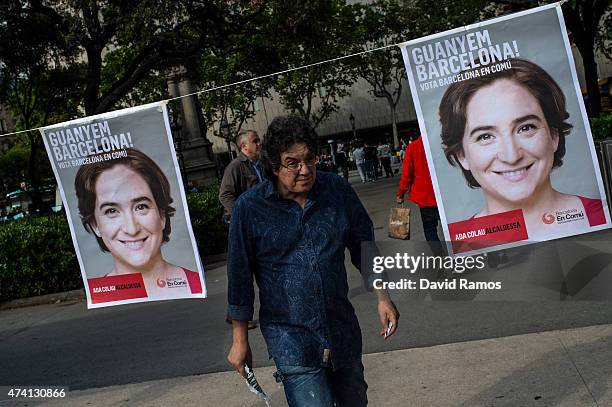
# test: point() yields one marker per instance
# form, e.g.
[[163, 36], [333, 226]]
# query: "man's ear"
[[462, 160]]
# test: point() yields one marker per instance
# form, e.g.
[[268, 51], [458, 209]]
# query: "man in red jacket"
[[417, 181]]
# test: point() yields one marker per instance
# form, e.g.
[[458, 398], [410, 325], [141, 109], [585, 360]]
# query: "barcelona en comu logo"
[[548, 218]]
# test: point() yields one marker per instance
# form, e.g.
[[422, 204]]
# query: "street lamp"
[[352, 120], [224, 129]]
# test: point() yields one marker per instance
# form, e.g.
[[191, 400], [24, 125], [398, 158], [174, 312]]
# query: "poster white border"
[[162, 108], [425, 135]]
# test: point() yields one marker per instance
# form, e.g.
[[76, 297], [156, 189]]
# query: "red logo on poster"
[[548, 218], [161, 282]]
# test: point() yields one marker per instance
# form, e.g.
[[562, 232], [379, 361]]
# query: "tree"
[[604, 35], [388, 22], [13, 167], [235, 104], [60, 58], [382, 24], [123, 43], [431, 16], [37, 81], [583, 19], [308, 32]]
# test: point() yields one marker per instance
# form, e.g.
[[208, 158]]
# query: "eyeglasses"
[[296, 166]]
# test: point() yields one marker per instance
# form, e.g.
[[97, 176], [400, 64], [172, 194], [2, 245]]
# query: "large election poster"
[[505, 131], [124, 199]]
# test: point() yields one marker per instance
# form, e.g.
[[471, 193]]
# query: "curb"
[[211, 263], [214, 261], [74, 295]]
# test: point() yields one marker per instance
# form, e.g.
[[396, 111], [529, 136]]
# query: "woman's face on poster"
[[127, 217], [507, 143]]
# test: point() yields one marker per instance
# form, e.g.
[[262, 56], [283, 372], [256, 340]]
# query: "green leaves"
[[37, 257], [206, 212], [328, 32], [601, 126]]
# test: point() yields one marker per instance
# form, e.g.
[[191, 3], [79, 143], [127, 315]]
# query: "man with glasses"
[[290, 233], [242, 173]]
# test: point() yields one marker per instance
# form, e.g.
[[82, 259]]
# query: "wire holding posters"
[[121, 187], [506, 134]]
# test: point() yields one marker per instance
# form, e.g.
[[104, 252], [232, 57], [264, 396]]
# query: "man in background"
[[384, 155], [242, 173], [359, 157], [371, 162]]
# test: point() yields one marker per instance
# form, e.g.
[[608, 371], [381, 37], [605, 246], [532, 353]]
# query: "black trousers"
[[430, 217]]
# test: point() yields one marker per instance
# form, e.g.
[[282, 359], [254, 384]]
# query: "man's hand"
[[399, 200], [240, 351], [389, 317]]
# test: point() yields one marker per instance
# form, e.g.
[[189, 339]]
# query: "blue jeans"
[[362, 172], [371, 170], [322, 387]]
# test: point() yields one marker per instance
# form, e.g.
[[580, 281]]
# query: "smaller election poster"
[[505, 131], [122, 190]]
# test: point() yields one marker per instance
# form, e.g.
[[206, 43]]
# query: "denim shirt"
[[297, 258]]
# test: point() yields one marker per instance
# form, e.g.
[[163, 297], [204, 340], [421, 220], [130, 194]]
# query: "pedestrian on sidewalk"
[[384, 155], [371, 162], [342, 160], [241, 174], [290, 234], [416, 181], [359, 157]]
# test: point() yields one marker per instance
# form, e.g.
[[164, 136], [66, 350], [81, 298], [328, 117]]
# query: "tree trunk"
[[582, 21], [33, 176], [94, 57], [396, 143], [590, 75]]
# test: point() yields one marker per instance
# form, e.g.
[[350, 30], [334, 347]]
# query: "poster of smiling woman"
[[507, 138], [124, 199]]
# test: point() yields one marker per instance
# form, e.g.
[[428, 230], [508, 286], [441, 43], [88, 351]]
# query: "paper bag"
[[399, 223]]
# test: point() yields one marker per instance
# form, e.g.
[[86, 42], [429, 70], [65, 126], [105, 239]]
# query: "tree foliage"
[[236, 104], [309, 32], [13, 167], [62, 58], [38, 71], [583, 19], [383, 24]]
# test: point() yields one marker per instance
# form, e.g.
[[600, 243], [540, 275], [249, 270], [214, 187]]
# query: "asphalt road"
[[66, 344]]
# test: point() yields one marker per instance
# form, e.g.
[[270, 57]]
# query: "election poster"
[[506, 133], [122, 191]]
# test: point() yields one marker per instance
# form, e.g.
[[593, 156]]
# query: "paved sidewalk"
[[557, 368]]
